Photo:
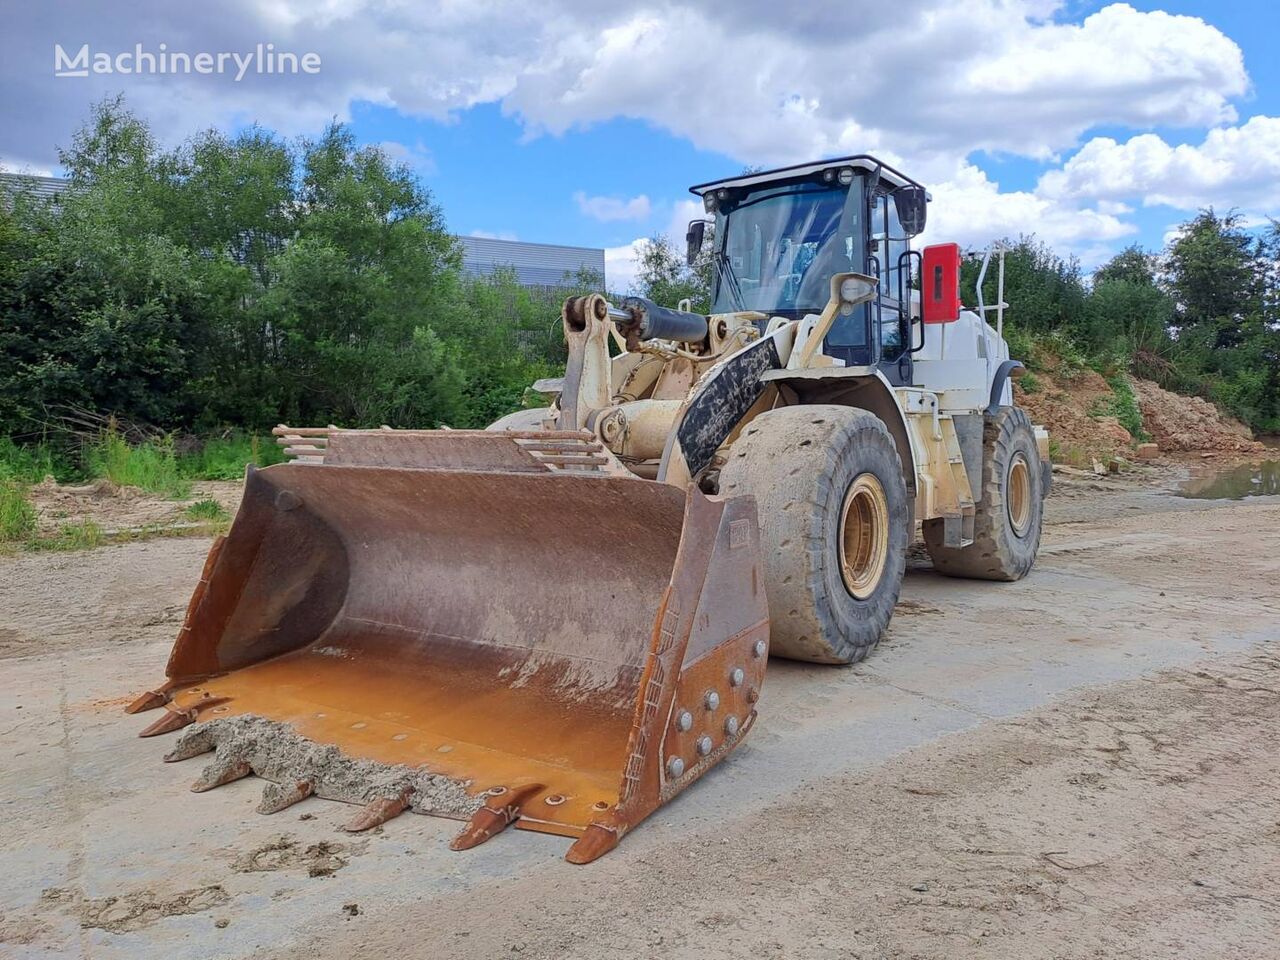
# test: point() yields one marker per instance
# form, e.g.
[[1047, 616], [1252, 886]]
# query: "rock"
[[1147, 451], [1111, 428], [919, 888], [351, 909], [221, 923], [1098, 468]]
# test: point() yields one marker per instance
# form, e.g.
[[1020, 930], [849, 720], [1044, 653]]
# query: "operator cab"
[[781, 234]]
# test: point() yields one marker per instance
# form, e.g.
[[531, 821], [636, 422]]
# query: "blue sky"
[[1092, 124]]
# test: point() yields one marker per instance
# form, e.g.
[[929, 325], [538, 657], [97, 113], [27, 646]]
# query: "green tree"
[[665, 278], [1213, 272], [1046, 292], [1131, 265], [1224, 279], [1128, 316]]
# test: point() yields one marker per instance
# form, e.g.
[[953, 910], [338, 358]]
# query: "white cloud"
[[919, 77], [609, 209], [1233, 166], [950, 78], [621, 265], [418, 157], [487, 235], [969, 208], [923, 83], [19, 165]]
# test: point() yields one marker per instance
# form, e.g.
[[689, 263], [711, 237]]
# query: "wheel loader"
[[562, 621]]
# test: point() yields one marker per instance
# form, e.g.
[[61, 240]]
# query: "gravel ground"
[[1081, 764]]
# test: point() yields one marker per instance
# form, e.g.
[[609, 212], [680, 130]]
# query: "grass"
[[1029, 382], [150, 466], [206, 509], [1069, 454], [17, 516], [225, 458], [31, 464], [83, 535], [155, 466]]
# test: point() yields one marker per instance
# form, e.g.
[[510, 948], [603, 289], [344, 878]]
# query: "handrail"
[[1001, 248]]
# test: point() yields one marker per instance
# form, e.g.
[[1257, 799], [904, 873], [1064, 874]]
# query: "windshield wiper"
[[724, 267]]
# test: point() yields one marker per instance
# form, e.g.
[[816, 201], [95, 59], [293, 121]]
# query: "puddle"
[[1234, 483]]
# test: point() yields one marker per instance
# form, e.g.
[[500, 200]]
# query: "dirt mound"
[[1179, 423], [1063, 405], [1073, 405], [114, 507]]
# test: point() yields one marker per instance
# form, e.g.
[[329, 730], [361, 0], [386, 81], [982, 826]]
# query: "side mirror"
[[912, 204], [693, 240]]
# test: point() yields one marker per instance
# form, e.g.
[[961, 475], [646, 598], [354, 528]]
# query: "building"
[[43, 188], [535, 264]]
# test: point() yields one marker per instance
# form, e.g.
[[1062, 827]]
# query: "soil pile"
[[1179, 423], [1063, 404], [1073, 406]]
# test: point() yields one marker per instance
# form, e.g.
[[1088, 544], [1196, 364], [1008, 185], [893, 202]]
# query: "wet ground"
[[1233, 481], [1081, 764]]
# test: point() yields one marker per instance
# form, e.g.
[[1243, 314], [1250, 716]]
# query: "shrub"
[[225, 458], [1124, 407]]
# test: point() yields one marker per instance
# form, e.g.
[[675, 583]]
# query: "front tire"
[[1010, 511], [835, 523]]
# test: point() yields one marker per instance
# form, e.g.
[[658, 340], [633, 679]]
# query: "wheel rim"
[[864, 536], [1019, 499]]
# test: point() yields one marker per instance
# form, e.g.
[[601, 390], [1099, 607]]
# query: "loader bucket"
[[504, 629]]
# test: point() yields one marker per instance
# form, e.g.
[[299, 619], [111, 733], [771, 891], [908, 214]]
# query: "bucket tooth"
[[498, 813], [150, 700], [377, 812], [280, 796], [220, 772], [191, 744], [172, 720], [595, 843]]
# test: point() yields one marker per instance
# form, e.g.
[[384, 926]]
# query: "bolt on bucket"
[[506, 629]]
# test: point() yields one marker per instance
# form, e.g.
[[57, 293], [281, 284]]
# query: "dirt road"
[[1084, 764]]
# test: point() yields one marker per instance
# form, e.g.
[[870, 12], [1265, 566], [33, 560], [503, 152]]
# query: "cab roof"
[[861, 161]]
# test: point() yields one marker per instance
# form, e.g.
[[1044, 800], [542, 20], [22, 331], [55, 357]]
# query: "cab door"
[[889, 260]]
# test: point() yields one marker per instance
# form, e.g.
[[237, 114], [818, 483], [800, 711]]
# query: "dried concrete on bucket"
[[275, 752]]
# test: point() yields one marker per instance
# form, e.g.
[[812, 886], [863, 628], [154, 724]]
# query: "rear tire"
[[521, 420], [835, 523], [1010, 512]]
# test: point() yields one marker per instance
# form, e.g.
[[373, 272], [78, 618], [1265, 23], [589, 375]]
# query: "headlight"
[[846, 176], [857, 289]]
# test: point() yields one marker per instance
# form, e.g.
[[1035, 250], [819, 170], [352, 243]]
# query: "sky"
[[1093, 125]]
